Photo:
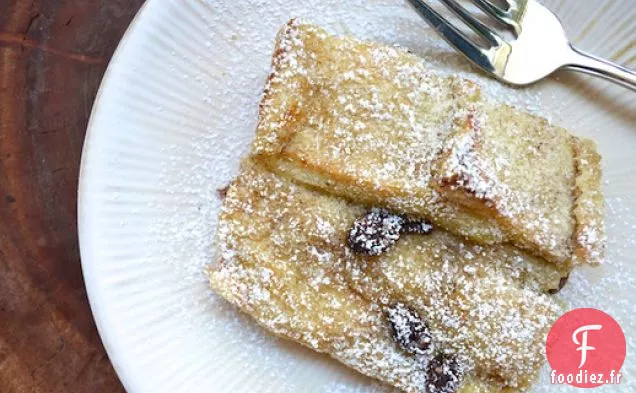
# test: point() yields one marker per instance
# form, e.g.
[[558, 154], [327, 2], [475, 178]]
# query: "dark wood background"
[[53, 54]]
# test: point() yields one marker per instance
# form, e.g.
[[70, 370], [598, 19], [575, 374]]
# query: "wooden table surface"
[[53, 54]]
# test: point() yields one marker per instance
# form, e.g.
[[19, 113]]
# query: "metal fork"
[[539, 48]]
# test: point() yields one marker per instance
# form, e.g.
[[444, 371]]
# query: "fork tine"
[[511, 17], [488, 7], [472, 22], [516, 8], [453, 36]]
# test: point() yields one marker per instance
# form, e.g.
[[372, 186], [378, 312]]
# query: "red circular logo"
[[586, 348]]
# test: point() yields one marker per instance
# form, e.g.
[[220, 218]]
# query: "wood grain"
[[52, 57]]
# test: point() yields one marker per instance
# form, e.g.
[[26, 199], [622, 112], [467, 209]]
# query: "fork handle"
[[590, 64]]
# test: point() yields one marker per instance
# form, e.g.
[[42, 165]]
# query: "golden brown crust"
[[370, 123]]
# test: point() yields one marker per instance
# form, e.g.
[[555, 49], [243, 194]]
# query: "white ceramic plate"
[[176, 111]]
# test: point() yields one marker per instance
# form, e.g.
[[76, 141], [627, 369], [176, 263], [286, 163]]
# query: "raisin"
[[375, 233], [409, 330], [443, 374], [421, 227], [379, 230], [562, 282]]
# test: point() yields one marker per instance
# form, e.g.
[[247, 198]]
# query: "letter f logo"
[[583, 345]]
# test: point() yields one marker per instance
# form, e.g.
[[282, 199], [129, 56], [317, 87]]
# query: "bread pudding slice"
[[372, 124], [283, 260], [531, 176]]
